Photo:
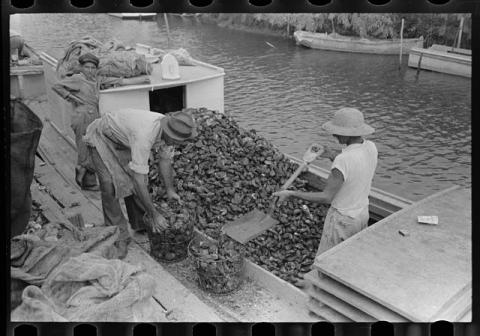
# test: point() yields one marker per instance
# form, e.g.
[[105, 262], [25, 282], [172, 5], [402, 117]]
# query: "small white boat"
[[134, 16], [337, 42], [439, 58]]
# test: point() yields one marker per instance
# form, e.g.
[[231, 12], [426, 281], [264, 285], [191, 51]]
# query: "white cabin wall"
[[208, 93], [115, 100]]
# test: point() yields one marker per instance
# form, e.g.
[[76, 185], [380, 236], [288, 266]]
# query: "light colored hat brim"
[[166, 129], [348, 131]]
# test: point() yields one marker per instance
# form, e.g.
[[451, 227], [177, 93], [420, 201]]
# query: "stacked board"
[[380, 274]]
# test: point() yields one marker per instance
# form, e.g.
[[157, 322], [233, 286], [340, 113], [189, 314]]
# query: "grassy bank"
[[435, 28]]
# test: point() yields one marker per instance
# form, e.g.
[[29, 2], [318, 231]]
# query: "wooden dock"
[[60, 198], [423, 276]]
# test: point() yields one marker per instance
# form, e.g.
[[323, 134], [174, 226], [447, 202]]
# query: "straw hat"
[[179, 126], [348, 122]]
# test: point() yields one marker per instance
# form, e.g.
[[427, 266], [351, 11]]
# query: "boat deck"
[[177, 289]]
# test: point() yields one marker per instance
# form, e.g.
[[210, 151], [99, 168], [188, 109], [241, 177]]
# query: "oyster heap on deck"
[[228, 171]]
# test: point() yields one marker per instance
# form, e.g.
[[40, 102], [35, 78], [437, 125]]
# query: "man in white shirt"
[[350, 180], [120, 144]]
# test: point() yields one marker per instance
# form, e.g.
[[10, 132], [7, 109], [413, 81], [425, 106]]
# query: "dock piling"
[[401, 44], [168, 29], [419, 63]]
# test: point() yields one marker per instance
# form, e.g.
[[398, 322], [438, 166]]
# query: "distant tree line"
[[435, 28]]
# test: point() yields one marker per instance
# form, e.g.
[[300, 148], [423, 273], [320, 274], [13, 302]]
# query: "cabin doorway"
[[167, 100]]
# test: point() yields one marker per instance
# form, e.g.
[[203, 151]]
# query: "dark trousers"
[[112, 211], [81, 118]]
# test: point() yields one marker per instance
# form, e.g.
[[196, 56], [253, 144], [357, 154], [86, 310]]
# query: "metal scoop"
[[255, 222]]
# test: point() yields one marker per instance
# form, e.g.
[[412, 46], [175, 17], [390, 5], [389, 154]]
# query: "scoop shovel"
[[255, 222]]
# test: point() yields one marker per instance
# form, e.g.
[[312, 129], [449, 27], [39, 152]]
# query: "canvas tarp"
[[115, 60], [33, 258], [89, 288]]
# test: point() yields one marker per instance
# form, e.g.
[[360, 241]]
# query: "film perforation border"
[[242, 6], [229, 6], [380, 328], [141, 3]]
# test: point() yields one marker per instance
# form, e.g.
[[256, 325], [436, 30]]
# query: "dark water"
[[287, 92]]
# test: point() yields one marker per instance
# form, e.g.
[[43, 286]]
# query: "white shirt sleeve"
[[340, 164], [140, 146]]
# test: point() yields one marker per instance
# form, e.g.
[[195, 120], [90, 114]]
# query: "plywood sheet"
[[353, 298], [455, 311], [340, 306], [71, 198], [467, 317], [417, 275], [171, 293], [325, 312]]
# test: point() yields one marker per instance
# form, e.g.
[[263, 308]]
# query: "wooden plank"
[[277, 286], [389, 263], [73, 200], [170, 292], [326, 312], [25, 70], [355, 299], [56, 150], [50, 209], [149, 311], [340, 306]]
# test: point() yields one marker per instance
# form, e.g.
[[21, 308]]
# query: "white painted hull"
[[336, 42], [441, 61]]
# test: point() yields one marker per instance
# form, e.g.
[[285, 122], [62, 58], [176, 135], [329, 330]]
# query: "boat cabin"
[[200, 85]]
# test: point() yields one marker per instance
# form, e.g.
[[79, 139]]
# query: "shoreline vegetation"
[[435, 28]]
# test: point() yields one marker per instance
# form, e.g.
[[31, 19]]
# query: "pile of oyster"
[[227, 171]]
